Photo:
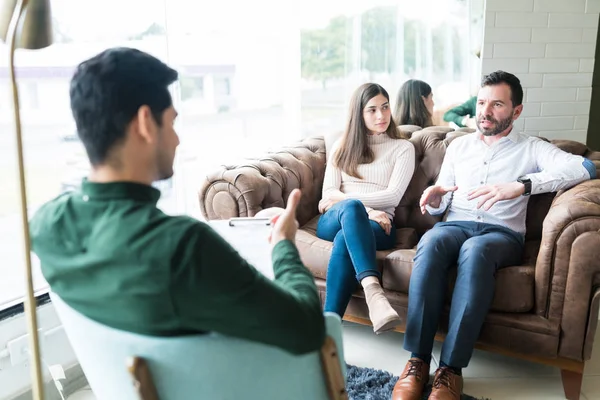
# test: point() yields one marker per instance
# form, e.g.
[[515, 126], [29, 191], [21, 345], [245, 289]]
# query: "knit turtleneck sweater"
[[384, 180]]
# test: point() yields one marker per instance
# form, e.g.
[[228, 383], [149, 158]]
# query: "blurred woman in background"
[[414, 104]]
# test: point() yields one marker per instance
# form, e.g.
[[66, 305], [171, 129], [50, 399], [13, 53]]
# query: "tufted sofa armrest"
[[567, 268], [567, 274], [242, 190]]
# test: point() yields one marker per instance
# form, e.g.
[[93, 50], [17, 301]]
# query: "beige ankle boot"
[[381, 313]]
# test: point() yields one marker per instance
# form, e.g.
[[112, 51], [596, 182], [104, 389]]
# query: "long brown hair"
[[410, 106], [354, 149]]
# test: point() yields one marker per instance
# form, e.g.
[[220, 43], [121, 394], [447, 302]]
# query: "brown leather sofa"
[[544, 310]]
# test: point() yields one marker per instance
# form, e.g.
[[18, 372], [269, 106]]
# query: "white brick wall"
[[556, 35], [550, 94], [567, 6], [586, 65], [570, 20], [593, 6], [502, 5], [584, 94], [550, 45], [553, 65]]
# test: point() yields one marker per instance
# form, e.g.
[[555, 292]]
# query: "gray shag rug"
[[375, 384]]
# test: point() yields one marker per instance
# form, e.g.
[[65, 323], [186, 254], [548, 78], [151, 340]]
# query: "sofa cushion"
[[515, 285], [398, 267]]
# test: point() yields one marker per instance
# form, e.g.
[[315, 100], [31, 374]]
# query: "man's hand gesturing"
[[432, 196]]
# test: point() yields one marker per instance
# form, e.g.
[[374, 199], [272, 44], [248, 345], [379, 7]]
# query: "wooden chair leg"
[[571, 383], [142, 378], [332, 370]]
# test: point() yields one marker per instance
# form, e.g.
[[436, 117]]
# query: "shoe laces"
[[443, 378], [415, 368]]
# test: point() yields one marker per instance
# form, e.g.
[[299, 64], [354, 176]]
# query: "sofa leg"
[[571, 383]]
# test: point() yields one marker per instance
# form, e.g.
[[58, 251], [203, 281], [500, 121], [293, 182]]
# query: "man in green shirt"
[[463, 115], [112, 255]]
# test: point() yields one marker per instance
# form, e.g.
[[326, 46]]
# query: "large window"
[[387, 42], [253, 76]]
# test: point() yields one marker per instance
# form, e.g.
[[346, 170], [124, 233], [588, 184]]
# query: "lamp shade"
[[35, 28]]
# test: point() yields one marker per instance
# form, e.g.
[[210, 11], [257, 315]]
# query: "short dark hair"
[[497, 77], [107, 91]]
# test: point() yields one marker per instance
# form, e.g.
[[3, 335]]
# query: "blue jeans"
[[479, 250], [355, 238]]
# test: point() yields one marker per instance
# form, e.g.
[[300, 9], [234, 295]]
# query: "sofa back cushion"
[[430, 148]]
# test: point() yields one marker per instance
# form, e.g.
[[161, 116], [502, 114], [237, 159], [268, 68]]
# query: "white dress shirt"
[[470, 163]]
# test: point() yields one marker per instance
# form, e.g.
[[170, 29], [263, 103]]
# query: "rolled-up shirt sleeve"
[[558, 169]]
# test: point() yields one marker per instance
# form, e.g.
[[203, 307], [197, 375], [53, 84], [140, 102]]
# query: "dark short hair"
[[107, 91], [497, 77]]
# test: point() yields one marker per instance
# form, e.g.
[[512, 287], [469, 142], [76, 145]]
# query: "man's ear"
[[144, 124], [518, 111]]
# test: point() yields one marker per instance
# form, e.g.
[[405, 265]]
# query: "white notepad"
[[249, 238]]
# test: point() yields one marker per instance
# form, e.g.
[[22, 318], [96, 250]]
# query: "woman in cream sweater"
[[367, 174]]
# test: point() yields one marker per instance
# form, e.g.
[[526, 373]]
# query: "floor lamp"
[[26, 24]]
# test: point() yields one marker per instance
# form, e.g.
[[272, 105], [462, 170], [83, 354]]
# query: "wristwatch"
[[527, 182]]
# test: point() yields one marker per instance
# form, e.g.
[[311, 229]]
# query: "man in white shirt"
[[484, 183]]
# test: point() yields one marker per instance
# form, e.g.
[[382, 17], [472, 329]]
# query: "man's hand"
[[488, 195], [432, 196], [382, 219], [285, 225], [328, 202]]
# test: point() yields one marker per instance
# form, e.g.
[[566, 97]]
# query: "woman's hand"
[[382, 219], [327, 202]]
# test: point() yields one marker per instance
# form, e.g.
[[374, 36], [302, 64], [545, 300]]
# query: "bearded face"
[[495, 110], [490, 126]]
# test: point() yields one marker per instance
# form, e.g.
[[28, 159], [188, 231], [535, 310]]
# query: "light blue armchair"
[[202, 366]]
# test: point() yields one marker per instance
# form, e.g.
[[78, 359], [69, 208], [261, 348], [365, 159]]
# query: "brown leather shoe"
[[411, 383], [446, 385]]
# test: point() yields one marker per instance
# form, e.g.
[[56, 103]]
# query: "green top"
[[112, 255], [457, 113]]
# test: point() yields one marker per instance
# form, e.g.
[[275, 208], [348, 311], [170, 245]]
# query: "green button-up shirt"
[[112, 255]]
